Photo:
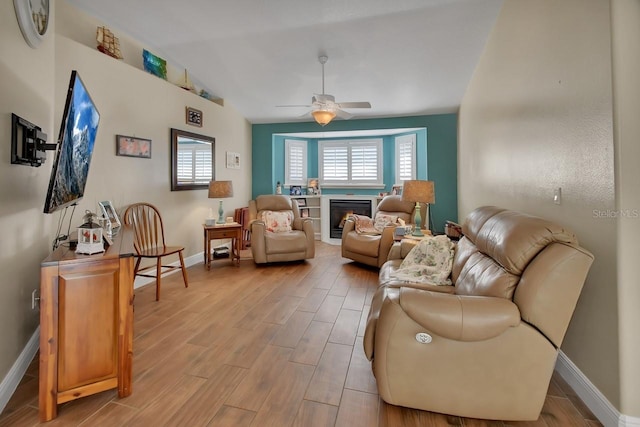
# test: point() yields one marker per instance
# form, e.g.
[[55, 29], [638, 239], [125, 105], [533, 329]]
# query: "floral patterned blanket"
[[430, 261]]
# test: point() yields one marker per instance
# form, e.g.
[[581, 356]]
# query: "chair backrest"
[[147, 226], [394, 205], [534, 262], [273, 202]]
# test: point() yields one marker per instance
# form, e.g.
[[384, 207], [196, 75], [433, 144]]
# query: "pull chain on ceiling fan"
[[324, 107]]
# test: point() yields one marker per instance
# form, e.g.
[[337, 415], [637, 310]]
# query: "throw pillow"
[[277, 221], [382, 220], [364, 225], [430, 261]]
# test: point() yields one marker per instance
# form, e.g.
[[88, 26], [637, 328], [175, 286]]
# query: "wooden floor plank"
[[315, 414], [328, 380], [291, 333], [282, 405], [360, 376], [311, 345], [358, 409], [251, 393], [345, 327], [228, 416], [110, 415]]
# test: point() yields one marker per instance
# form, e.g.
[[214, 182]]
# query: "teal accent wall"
[[436, 156]]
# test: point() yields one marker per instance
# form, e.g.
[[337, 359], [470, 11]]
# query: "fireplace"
[[339, 211]]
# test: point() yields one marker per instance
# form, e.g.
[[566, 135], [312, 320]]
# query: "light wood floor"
[[277, 345]]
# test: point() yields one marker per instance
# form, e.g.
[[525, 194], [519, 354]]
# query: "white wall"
[[626, 107], [537, 115], [26, 89], [131, 102]]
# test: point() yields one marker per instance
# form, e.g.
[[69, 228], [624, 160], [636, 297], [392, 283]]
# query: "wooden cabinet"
[[86, 324]]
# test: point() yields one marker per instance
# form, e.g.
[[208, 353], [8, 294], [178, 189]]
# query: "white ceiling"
[[406, 57]]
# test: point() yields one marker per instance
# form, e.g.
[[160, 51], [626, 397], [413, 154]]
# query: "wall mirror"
[[192, 160]]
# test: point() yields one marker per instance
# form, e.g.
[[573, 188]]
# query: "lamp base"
[[220, 214], [417, 233]]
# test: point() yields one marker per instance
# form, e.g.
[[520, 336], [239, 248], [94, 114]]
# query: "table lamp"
[[220, 190], [418, 191]]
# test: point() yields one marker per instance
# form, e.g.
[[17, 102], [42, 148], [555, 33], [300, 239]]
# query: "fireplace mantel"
[[324, 212]]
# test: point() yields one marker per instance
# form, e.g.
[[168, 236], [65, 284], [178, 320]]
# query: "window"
[[295, 162], [350, 162], [405, 158]]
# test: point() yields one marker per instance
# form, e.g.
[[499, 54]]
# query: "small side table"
[[223, 231]]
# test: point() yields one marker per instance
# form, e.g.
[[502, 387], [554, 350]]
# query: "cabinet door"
[[87, 323]]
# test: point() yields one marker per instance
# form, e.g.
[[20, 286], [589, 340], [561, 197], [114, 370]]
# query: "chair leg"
[[137, 267], [158, 277], [184, 270]]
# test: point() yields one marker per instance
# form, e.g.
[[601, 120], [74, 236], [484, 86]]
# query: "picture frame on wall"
[[233, 160], [194, 117], [131, 146], [295, 190]]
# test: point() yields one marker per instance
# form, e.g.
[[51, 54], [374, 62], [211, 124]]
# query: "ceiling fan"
[[324, 107]]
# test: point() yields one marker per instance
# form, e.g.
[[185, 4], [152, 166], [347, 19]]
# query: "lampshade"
[[220, 189], [323, 117], [418, 191]]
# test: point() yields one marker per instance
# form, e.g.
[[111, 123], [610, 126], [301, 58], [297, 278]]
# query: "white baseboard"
[[13, 378], [606, 413], [188, 262]]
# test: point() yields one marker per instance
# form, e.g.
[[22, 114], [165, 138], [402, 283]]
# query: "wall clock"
[[33, 18]]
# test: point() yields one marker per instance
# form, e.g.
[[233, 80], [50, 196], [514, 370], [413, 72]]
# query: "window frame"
[[350, 145], [399, 141], [290, 144]]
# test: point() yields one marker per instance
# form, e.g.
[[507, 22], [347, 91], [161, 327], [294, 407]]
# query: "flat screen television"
[[75, 146]]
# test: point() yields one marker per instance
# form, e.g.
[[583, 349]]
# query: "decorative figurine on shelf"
[[278, 188], [89, 235]]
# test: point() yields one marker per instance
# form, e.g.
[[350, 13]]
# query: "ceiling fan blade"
[[354, 105], [343, 114]]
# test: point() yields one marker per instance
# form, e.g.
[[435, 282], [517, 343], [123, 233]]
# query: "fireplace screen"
[[339, 211]]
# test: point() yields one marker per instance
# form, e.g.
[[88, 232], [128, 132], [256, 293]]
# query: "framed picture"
[[313, 186], [302, 202], [154, 64], [396, 190], [108, 211], [194, 117], [233, 160], [295, 190], [133, 147], [304, 213]]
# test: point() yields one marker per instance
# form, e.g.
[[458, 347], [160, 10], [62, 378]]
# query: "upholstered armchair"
[[372, 249], [278, 233]]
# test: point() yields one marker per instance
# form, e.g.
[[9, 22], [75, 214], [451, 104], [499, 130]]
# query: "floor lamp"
[[418, 191]]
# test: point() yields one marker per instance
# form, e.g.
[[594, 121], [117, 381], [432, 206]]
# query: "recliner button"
[[423, 338]]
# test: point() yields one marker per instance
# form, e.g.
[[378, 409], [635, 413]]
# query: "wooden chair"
[[149, 242]]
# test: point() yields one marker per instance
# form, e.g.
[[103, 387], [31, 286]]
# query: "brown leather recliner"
[[486, 349], [373, 249], [266, 246]]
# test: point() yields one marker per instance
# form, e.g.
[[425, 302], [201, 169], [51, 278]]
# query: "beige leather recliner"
[[294, 245], [373, 249], [491, 340]]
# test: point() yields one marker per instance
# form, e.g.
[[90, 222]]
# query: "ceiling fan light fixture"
[[323, 117]]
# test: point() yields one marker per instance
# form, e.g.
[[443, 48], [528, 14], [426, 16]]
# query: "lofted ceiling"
[[406, 57]]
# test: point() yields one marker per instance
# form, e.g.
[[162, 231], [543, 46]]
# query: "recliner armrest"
[[459, 317]]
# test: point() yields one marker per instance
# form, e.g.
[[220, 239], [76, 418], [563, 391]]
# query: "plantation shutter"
[[295, 162], [405, 158]]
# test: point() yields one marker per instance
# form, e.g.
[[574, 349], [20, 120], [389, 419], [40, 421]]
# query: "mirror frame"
[[175, 134]]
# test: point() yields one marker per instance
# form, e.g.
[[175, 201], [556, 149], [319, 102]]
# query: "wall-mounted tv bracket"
[[28, 143]]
